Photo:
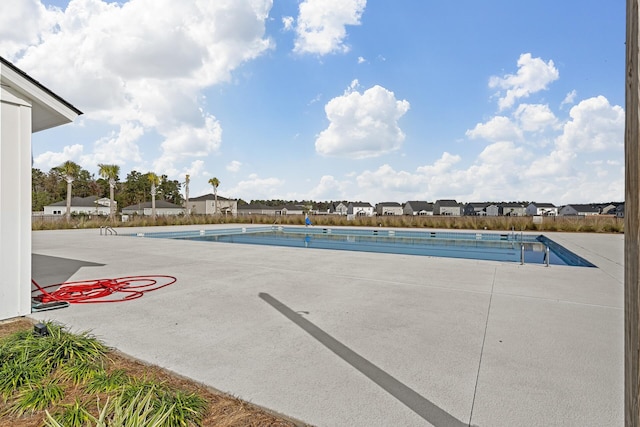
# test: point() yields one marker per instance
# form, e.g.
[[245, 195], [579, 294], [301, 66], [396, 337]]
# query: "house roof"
[[543, 205], [512, 205], [89, 201], [160, 204], [390, 204], [448, 203], [360, 205], [209, 196], [480, 205], [255, 206], [585, 208], [47, 109], [418, 205]]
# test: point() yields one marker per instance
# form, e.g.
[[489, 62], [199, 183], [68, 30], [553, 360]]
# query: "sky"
[[356, 100]]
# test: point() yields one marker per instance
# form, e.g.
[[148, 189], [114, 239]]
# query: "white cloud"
[[535, 117], [24, 23], [499, 128], [50, 159], [328, 188], [321, 25], [137, 71], [533, 76], [361, 60], [569, 99], [234, 166], [287, 23], [118, 148], [188, 141], [255, 187], [595, 125], [362, 125]]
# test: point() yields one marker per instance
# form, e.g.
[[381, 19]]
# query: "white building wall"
[[15, 205]]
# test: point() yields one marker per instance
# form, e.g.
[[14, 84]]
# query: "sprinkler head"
[[40, 330]]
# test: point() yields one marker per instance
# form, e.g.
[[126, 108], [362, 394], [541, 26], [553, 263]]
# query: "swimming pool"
[[510, 247]]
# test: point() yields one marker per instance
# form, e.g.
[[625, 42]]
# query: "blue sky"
[[337, 99]]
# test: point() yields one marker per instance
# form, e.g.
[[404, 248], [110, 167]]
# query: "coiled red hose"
[[101, 290]]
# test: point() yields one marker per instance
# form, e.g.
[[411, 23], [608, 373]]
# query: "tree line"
[[70, 179]]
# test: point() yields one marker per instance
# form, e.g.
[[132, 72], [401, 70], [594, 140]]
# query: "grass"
[[68, 379], [593, 224]]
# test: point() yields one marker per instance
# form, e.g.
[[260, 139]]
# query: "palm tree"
[[215, 182], [155, 181], [110, 172], [70, 171]]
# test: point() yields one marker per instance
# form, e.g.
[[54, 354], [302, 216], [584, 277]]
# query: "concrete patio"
[[336, 338]]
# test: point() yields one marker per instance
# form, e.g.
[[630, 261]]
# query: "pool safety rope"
[[101, 290]]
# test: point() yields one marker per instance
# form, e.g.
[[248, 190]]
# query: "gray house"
[[206, 205], [419, 208], [493, 210], [388, 208], [476, 209], [579, 210], [447, 207], [338, 208]]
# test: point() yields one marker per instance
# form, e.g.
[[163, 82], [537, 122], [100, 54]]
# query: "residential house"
[[388, 208], [91, 205], [206, 205], [493, 210], [360, 209], [542, 209], [447, 207], [419, 208], [620, 211], [579, 210], [475, 209], [512, 209], [338, 208], [608, 209], [162, 208], [291, 210], [256, 209]]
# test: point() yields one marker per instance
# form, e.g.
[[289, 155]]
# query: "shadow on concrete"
[[418, 404], [50, 270]]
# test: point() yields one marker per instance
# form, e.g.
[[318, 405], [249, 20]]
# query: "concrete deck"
[[338, 338]]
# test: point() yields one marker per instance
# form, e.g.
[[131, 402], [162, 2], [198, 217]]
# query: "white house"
[[26, 106], [162, 208], [205, 205], [542, 209], [90, 205], [360, 209]]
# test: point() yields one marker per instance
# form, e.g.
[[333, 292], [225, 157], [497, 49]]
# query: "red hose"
[[101, 290]]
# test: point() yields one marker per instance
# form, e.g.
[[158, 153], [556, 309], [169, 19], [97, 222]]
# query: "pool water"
[[510, 247]]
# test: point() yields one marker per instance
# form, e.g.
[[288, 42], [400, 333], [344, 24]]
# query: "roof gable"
[[47, 109]]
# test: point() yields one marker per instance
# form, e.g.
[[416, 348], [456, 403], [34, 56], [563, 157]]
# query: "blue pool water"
[[482, 246]]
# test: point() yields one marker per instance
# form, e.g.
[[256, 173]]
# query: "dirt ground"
[[223, 410]]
